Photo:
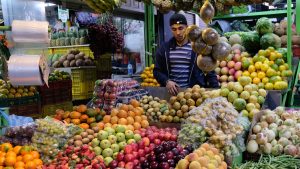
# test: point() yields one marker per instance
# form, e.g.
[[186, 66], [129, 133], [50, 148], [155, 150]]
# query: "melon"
[[232, 96], [250, 106], [245, 95], [238, 88], [244, 80], [239, 104]]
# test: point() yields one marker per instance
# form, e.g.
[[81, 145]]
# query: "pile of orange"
[[131, 115], [81, 115], [19, 157]]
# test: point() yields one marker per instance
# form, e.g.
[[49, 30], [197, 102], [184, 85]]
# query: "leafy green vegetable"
[[270, 40], [250, 40], [264, 25], [283, 51]]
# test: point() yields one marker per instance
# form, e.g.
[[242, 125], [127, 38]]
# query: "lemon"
[[264, 67], [261, 53], [256, 80], [265, 80], [261, 75], [267, 52], [253, 75], [273, 56], [246, 73], [282, 68], [271, 63], [257, 65], [269, 86], [251, 68], [272, 49]]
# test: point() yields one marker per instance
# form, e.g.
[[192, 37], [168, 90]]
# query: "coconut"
[[198, 46], [221, 50], [207, 12], [193, 32], [210, 36], [206, 63]]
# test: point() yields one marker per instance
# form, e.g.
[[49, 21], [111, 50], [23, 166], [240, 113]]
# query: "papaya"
[[91, 112]]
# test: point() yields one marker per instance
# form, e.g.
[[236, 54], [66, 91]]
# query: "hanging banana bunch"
[[102, 6]]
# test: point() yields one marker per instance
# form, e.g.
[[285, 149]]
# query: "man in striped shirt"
[[175, 65]]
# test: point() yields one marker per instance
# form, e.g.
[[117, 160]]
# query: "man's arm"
[[160, 68], [212, 80]]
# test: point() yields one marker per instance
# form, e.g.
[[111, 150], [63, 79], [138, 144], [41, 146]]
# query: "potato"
[[78, 143], [70, 57], [79, 62], [73, 63], [85, 140], [66, 63]]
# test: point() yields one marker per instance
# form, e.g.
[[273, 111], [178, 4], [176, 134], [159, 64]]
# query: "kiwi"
[[88, 62], [90, 137], [62, 59], [96, 129], [78, 143], [84, 134]]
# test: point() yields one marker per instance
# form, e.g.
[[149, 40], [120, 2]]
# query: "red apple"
[[147, 150], [135, 147], [173, 137], [146, 141], [141, 153], [128, 149], [128, 157], [121, 164], [155, 135], [151, 138], [135, 155], [129, 165], [161, 136], [113, 164], [141, 145], [167, 136], [142, 158], [151, 146], [137, 167], [157, 141], [143, 134], [136, 162], [120, 156]]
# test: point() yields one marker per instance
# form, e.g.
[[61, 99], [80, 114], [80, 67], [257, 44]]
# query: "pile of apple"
[[76, 157], [153, 107], [156, 135], [207, 156], [230, 69]]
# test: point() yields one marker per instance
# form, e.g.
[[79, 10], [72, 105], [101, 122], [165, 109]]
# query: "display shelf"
[[254, 15], [72, 46]]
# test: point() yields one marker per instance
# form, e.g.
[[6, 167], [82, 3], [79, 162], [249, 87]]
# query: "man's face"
[[178, 31]]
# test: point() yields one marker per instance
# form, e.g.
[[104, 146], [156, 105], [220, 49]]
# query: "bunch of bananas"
[[102, 6]]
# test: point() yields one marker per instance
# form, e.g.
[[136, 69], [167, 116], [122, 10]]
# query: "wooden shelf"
[[73, 46]]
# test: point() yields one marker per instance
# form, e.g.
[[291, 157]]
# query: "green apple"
[[130, 141], [97, 150], [115, 148], [122, 145], [115, 155], [129, 134], [120, 137], [107, 160], [137, 137], [120, 129], [108, 152], [105, 144], [102, 135], [112, 139], [110, 130], [95, 142]]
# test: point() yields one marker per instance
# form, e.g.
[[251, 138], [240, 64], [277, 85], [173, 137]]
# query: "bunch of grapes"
[[104, 38]]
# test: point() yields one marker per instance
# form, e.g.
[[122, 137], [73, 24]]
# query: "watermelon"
[[264, 25], [270, 40]]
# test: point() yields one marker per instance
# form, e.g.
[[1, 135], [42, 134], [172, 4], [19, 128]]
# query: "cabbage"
[[270, 39], [264, 25]]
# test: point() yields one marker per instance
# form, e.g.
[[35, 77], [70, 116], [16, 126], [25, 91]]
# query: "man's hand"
[[172, 87]]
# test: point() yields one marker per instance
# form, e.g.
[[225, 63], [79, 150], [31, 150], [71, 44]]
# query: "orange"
[[91, 120], [130, 120], [19, 158], [107, 125], [138, 119], [114, 112], [256, 80], [81, 108], [145, 123], [139, 111], [35, 154], [2, 154], [114, 120], [19, 164], [124, 107], [27, 157], [19, 168], [75, 115], [134, 103], [130, 127], [136, 125], [101, 125], [10, 161], [122, 121], [122, 114], [2, 160], [131, 113], [11, 153], [75, 121], [38, 162], [30, 165], [6, 147], [130, 107], [17, 149], [106, 118], [144, 117], [84, 117], [84, 126]]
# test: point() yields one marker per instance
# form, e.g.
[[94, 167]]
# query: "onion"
[[252, 137], [279, 110], [256, 129], [264, 124], [267, 148], [261, 138], [277, 150], [252, 146], [286, 133], [270, 134], [273, 125], [274, 142], [270, 118], [291, 150], [284, 141], [289, 122], [285, 116]]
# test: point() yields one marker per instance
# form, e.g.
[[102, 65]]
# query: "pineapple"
[[167, 5], [61, 41], [219, 6], [57, 42], [73, 41], [67, 41], [77, 41]]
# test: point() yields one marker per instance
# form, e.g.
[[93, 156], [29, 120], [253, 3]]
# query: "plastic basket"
[[83, 83], [31, 110], [7, 102], [104, 66], [49, 110], [57, 92]]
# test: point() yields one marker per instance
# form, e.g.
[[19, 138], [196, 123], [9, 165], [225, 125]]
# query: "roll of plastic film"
[[30, 32], [24, 70]]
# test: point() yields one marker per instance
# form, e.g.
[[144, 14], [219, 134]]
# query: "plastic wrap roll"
[[30, 32], [24, 70]]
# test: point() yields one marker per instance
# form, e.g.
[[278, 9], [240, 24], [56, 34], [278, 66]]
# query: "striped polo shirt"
[[180, 62]]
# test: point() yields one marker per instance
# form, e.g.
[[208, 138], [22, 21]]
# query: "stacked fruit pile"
[[244, 96], [19, 157], [81, 115], [74, 58], [9, 91], [20, 135], [230, 70], [267, 69], [148, 78], [154, 107], [58, 75], [191, 134], [206, 156], [69, 38], [50, 136], [129, 115], [186, 101]]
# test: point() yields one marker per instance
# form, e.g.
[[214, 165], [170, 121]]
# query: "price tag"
[[63, 15]]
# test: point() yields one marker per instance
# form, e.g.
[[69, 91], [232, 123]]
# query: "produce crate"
[[165, 125], [31, 110], [104, 66], [83, 82], [7, 102], [49, 110], [64, 49], [57, 92]]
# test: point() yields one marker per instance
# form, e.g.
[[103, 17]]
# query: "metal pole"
[[149, 33], [289, 32], [298, 16]]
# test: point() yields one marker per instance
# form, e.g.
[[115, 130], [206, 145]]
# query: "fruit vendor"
[[175, 65]]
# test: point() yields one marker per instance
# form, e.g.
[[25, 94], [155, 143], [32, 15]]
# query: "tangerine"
[[144, 117], [19, 164], [134, 103], [106, 118], [136, 125], [19, 158], [5, 147], [138, 119], [124, 107], [130, 120], [131, 113], [81, 108], [38, 162], [114, 112], [27, 157], [30, 165], [130, 107], [130, 127], [84, 117], [10, 161], [145, 123], [17, 149], [122, 114], [35, 154], [114, 120], [122, 121]]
